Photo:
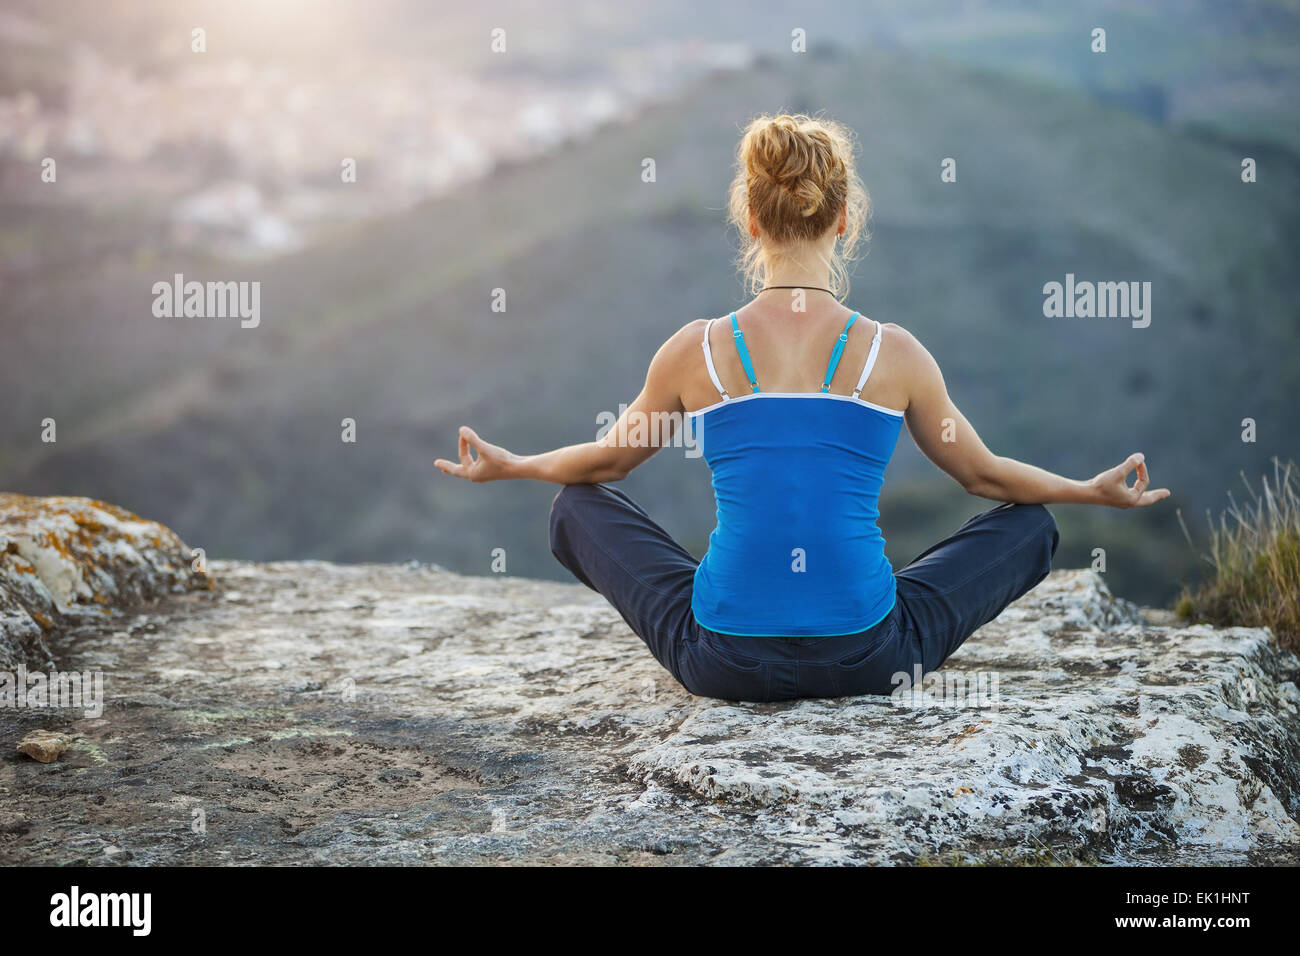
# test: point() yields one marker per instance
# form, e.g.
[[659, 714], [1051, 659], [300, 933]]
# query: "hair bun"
[[795, 176], [794, 160]]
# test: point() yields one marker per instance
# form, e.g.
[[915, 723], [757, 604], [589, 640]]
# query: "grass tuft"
[[1255, 556]]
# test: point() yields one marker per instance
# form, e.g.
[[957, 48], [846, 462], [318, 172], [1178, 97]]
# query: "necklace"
[[810, 288]]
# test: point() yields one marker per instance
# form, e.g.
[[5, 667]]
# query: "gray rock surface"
[[317, 713]]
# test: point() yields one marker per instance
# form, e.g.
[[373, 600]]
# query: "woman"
[[796, 402]]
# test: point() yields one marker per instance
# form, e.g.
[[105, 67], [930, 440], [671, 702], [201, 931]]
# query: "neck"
[[807, 269]]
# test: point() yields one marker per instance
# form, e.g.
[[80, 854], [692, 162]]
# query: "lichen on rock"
[[63, 559]]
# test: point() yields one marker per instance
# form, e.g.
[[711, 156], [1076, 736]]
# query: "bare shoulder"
[[692, 333], [906, 350], [671, 366], [903, 341], [913, 372], [689, 336]]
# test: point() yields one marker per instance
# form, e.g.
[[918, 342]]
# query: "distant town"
[[254, 158]]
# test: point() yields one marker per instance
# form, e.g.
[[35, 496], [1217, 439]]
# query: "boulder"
[[314, 713], [66, 559]]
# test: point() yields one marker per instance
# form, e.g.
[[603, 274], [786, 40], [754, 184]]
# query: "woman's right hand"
[[1112, 488], [492, 464]]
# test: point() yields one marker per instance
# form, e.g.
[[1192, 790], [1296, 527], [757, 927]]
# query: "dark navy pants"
[[949, 591]]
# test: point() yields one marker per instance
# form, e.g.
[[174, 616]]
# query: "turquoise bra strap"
[[839, 350], [739, 336]]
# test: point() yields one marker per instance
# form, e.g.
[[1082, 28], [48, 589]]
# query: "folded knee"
[[1045, 523], [559, 506], [563, 503], [1050, 530], [570, 495], [1033, 520]]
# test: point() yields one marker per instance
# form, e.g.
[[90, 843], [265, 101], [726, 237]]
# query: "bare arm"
[[611, 458], [944, 435]]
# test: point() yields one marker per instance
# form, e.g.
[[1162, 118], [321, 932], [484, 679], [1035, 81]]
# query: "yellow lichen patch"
[[120, 513], [86, 523], [967, 731], [16, 561]]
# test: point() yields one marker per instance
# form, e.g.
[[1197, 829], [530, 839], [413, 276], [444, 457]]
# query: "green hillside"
[[232, 436]]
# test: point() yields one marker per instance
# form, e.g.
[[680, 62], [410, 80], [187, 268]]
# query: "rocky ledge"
[[63, 560], [316, 713]]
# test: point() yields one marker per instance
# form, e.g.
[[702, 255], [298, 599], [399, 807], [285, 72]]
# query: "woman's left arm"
[[638, 434]]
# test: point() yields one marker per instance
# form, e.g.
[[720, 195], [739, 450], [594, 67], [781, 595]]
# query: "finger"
[[466, 459], [476, 444], [1152, 496], [450, 468], [1143, 479], [472, 437], [1119, 474]]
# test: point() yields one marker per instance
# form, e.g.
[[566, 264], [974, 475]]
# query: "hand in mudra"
[[490, 463], [1114, 490]]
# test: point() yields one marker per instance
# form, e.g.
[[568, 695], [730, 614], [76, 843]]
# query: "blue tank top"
[[797, 478]]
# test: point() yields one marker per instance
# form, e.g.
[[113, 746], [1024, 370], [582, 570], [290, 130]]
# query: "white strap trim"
[[871, 359], [708, 360]]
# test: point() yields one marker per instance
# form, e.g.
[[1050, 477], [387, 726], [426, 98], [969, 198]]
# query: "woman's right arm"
[[634, 437], [944, 435]]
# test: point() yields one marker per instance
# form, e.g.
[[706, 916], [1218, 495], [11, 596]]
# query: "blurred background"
[[522, 171]]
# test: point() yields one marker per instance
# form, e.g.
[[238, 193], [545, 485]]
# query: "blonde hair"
[[795, 174]]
